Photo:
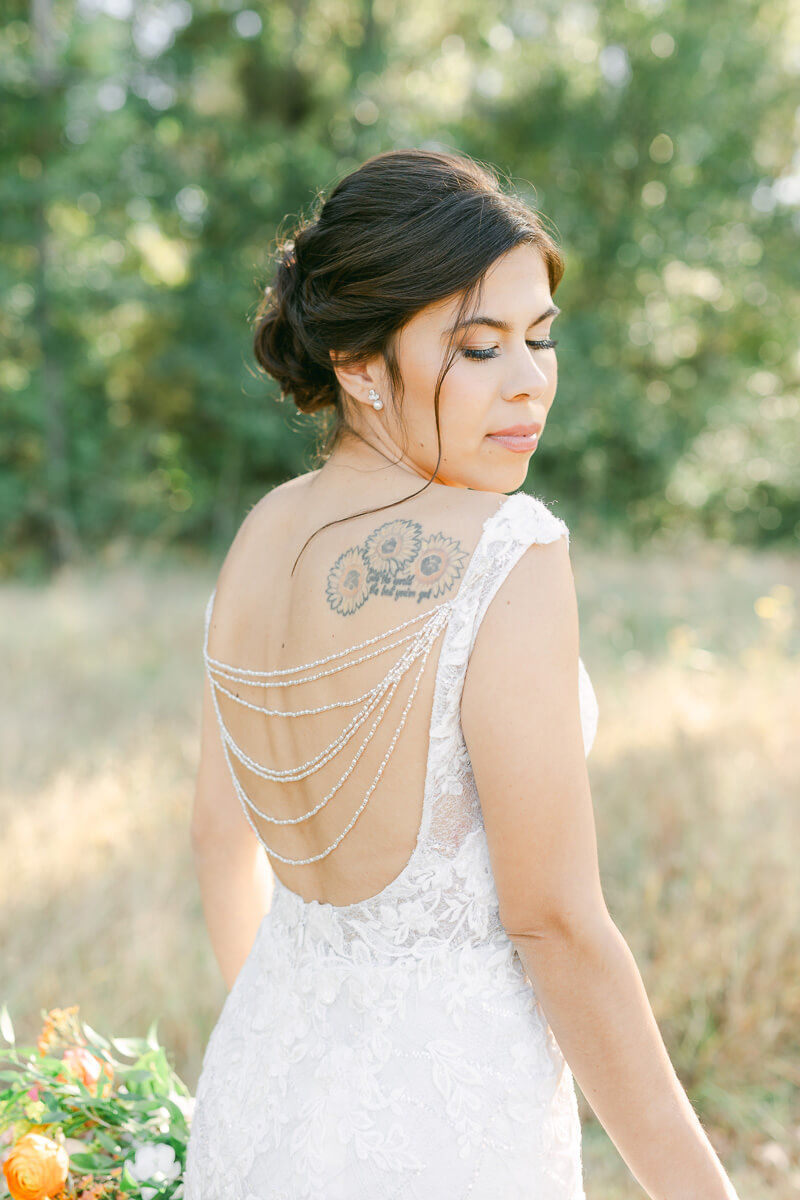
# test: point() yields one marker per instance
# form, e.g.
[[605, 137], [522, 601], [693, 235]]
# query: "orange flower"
[[61, 1027], [93, 1191], [86, 1066], [36, 1168]]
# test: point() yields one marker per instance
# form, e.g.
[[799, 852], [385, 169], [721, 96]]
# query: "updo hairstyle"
[[406, 229]]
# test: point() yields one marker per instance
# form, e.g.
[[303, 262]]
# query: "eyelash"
[[489, 352]]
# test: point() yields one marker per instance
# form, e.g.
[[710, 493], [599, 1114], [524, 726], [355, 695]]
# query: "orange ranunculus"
[[86, 1066], [61, 1027], [36, 1168]]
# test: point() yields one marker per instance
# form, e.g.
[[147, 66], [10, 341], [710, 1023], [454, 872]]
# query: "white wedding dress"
[[394, 1049]]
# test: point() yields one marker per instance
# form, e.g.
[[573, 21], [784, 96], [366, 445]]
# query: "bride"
[[397, 858]]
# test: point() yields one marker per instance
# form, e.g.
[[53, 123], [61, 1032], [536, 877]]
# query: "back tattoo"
[[397, 560]]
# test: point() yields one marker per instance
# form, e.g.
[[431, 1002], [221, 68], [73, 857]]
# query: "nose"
[[527, 377]]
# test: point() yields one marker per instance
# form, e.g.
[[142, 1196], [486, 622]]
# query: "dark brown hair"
[[406, 229]]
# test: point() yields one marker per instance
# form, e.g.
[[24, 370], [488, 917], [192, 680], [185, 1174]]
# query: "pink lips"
[[522, 438]]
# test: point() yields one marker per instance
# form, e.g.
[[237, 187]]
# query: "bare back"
[[353, 583], [392, 949]]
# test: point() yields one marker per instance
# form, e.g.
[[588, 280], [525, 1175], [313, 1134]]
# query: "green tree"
[[149, 159]]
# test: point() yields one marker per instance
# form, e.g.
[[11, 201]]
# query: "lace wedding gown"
[[394, 1049]]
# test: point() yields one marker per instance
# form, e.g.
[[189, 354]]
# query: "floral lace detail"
[[394, 1048]]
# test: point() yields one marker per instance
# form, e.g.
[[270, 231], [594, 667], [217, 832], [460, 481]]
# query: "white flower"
[[156, 1161], [164, 1114]]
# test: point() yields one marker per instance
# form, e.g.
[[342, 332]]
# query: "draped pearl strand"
[[419, 647]]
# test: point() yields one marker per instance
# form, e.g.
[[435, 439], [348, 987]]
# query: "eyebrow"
[[552, 311]]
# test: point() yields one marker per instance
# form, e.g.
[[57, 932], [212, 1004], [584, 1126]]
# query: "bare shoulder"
[[288, 508], [277, 502], [277, 526], [250, 560], [538, 592], [265, 517]]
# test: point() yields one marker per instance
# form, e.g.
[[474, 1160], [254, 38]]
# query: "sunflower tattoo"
[[438, 565], [396, 560], [347, 582], [393, 545]]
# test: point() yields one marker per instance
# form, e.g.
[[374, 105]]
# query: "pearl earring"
[[377, 403]]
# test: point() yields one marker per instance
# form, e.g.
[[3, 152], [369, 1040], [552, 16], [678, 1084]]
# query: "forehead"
[[514, 286], [523, 267]]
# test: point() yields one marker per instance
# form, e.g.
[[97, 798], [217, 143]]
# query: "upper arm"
[[217, 812], [520, 714]]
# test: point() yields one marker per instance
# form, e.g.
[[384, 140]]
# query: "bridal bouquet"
[[78, 1123]]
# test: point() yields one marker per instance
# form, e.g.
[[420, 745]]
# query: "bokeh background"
[[150, 154]]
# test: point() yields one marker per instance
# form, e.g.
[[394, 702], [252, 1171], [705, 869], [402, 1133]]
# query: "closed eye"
[[491, 351]]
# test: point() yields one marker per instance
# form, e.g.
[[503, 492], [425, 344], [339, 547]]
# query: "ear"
[[358, 378]]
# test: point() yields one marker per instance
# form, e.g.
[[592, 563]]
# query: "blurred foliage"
[[150, 152]]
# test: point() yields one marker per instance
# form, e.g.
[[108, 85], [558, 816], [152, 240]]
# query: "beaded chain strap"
[[418, 646]]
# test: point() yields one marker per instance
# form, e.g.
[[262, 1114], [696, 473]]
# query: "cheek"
[[420, 372], [466, 402]]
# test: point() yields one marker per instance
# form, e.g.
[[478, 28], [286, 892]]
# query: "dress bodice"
[[445, 893]]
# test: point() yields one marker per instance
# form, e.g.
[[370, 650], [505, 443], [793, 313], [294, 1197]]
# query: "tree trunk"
[[64, 543]]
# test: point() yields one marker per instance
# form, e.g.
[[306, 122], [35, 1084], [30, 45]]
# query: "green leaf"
[[134, 1105], [107, 1142], [152, 1039], [127, 1178], [95, 1038], [145, 1104], [179, 1088], [130, 1047], [174, 1111], [54, 1116], [137, 1075], [161, 1067], [88, 1162], [6, 1028]]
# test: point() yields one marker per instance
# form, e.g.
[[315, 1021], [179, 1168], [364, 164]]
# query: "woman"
[[423, 956]]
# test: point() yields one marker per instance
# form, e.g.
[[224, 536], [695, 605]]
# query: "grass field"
[[695, 775]]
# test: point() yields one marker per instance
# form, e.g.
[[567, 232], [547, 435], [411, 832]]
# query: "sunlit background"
[[149, 155]]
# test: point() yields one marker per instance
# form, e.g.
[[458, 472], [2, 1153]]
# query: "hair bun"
[[284, 345]]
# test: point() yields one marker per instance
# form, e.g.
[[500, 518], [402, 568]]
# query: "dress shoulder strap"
[[519, 522], [523, 521]]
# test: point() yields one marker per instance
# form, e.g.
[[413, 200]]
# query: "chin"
[[484, 474], [509, 477]]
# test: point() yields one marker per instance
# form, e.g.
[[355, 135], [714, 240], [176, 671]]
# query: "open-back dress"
[[394, 1049]]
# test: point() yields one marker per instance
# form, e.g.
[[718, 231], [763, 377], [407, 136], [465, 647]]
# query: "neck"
[[368, 459]]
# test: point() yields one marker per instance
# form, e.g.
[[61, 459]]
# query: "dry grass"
[[694, 772]]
